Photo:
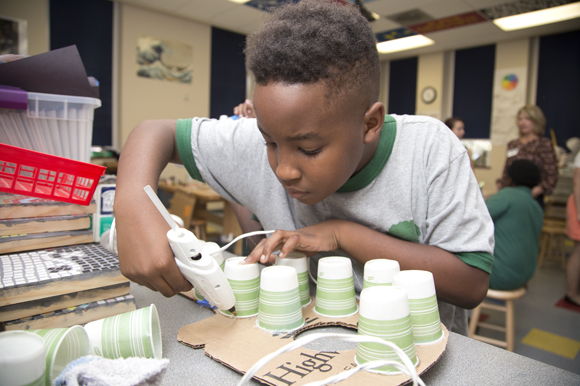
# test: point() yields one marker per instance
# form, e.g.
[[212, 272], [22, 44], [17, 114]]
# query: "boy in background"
[[518, 220], [322, 164]]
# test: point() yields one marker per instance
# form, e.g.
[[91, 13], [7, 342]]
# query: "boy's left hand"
[[321, 237]]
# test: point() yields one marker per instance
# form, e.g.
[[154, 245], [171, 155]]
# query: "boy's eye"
[[270, 144], [310, 152]]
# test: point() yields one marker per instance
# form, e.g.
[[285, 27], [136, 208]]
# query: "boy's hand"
[[321, 237]]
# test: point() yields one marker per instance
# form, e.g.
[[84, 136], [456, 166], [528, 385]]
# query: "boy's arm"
[[144, 253], [456, 282]]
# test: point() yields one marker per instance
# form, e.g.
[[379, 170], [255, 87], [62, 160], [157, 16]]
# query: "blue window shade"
[[473, 89], [403, 86], [228, 72], [89, 26], [558, 92]]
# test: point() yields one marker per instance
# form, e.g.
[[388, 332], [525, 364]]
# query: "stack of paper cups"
[[420, 288], [279, 306], [380, 272], [299, 261]]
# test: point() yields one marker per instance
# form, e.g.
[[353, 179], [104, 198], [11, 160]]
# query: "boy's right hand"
[[144, 253]]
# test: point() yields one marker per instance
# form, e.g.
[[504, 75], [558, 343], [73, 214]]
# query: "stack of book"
[[61, 287], [29, 223], [51, 273]]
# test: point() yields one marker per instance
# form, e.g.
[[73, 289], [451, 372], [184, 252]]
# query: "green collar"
[[371, 170]]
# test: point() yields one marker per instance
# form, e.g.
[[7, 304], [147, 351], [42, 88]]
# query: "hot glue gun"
[[195, 262]]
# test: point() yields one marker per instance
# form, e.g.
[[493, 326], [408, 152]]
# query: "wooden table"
[[190, 203]]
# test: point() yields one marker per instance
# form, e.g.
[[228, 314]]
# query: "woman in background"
[[533, 146]]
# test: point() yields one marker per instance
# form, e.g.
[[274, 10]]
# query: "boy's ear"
[[374, 119]]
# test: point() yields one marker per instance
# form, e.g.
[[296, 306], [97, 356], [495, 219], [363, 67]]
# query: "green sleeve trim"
[[481, 260], [183, 139]]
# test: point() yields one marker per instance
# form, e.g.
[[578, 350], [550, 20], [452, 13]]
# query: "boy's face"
[[313, 146]]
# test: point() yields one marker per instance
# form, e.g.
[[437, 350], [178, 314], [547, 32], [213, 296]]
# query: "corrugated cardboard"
[[239, 344]]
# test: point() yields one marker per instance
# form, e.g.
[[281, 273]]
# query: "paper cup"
[[22, 359], [63, 345], [299, 261], [279, 307], [420, 288], [245, 282], [211, 248], [335, 296], [384, 313], [380, 272], [132, 334]]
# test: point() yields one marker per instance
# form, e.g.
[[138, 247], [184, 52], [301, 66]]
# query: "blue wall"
[[558, 92], [473, 89], [228, 72], [403, 86]]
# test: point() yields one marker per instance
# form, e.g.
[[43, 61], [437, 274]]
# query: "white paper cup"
[[132, 334], [380, 272], [299, 261], [245, 282], [384, 313], [335, 295], [420, 288], [22, 359], [63, 345], [279, 304]]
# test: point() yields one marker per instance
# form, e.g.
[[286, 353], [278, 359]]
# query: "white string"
[[112, 237], [242, 237], [406, 367]]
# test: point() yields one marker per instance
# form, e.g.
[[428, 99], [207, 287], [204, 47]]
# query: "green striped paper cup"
[[424, 309], [335, 295], [380, 272], [64, 345], [132, 334], [245, 282], [279, 307], [22, 359], [299, 261], [384, 313]]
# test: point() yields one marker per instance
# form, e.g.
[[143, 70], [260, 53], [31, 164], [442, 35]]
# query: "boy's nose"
[[287, 171]]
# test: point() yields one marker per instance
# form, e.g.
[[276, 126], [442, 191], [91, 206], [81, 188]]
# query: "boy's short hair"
[[524, 173], [317, 40]]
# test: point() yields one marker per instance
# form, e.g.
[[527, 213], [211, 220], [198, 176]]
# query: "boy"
[[336, 173], [518, 220]]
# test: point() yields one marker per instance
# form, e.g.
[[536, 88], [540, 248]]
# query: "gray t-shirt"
[[419, 187]]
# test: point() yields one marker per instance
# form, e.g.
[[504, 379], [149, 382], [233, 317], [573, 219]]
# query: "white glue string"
[[242, 237], [406, 367], [112, 237]]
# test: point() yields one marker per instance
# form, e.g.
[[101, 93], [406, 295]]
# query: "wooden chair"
[[509, 328], [553, 236]]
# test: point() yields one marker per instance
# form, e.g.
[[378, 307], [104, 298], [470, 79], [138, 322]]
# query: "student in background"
[[518, 221], [457, 126], [533, 146], [573, 232], [322, 164]]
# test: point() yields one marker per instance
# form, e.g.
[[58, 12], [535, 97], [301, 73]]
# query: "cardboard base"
[[301, 366]]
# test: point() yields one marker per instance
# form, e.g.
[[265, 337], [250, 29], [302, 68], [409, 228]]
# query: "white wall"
[[35, 12]]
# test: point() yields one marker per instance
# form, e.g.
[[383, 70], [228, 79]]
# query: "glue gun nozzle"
[[233, 310]]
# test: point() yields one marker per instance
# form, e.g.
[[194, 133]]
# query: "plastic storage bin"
[[60, 125], [31, 173]]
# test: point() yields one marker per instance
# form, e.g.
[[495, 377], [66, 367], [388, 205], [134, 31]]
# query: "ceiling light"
[[239, 1], [403, 44], [544, 16]]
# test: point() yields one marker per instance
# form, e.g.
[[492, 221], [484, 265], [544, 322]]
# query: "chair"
[[508, 308], [553, 232]]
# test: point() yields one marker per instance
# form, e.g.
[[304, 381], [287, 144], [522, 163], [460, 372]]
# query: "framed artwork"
[[164, 59], [13, 36]]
